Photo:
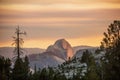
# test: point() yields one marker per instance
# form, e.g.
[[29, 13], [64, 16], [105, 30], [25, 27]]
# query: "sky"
[[80, 22]]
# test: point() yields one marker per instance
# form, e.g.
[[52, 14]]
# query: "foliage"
[[21, 69], [18, 41], [91, 66], [5, 68], [111, 45]]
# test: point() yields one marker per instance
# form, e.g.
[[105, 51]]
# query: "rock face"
[[54, 55], [44, 60], [62, 49]]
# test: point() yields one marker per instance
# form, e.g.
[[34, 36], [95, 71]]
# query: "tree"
[[18, 70], [26, 68], [59, 77], [51, 73], [44, 74], [21, 70], [85, 57], [21, 67], [91, 74], [18, 41], [111, 45], [5, 68]]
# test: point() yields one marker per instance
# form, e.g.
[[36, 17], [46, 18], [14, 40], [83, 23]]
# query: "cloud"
[[54, 19], [62, 16], [58, 1], [59, 23], [58, 31]]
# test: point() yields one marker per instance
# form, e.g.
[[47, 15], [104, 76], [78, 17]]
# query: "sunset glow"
[[80, 22]]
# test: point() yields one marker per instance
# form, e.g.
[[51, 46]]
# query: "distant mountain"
[[81, 47], [44, 60], [8, 51], [61, 49], [54, 55], [80, 51]]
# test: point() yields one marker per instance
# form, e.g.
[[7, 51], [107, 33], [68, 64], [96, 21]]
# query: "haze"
[[78, 21]]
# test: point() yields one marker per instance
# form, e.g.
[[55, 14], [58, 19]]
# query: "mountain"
[[54, 55], [62, 49], [8, 51], [44, 60], [80, 49]]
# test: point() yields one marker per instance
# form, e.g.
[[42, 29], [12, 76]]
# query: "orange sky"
[[78, 21]]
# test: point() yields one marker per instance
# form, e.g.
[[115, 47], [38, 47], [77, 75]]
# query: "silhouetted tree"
[[85, 57], [21, 67], [5, 68], [18, 70], [111, 45], [91, 74], [18, 41], [44, 74], [26, 68]]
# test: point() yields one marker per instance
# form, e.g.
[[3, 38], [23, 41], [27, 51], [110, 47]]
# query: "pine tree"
[[51, 73], [35, 75], [21, 67], [44, 74], [85, 57], [5, 68], [91, 66], [18, 41], [18, 70], [111, 45], [26, 68], [92, 70]]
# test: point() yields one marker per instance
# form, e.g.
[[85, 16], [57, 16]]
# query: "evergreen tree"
[[91, 66], [18, 70], [85, 57], [111, 45], [21, 67], [44, 74], [18, 41], [5, 68], [35, 76], [26, 68], [21, 70], [92, 70], [59, 77], [51, 73]]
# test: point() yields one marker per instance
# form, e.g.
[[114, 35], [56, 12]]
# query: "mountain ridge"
[[54, 55], [27, 51]]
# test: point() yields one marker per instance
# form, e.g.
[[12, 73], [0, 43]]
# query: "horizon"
[[79, 22], [47, 47]]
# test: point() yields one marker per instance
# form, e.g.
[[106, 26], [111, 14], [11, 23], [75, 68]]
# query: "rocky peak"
[[62, 48]]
